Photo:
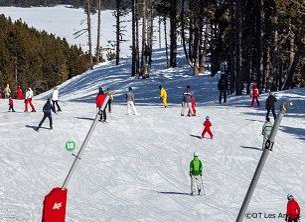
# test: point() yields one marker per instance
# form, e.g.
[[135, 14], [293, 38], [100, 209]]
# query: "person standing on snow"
[[100, 98], [266, 131], [130, 102], [55, 97], [195, 174], [20, 94], [110, 94], [222, 87], [11, 104], [254, 95], [187, 101], [48, 108], [293, 210], [163, 96], [193, 107], [7, 92], [207, 128], [28, 100], [270, 101]]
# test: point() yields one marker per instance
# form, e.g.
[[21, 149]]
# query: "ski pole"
[[202, 186]]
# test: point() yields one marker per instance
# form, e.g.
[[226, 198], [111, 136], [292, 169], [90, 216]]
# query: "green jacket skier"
[[195, 174]]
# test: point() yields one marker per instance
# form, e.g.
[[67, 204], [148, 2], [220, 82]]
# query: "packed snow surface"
[[136, 168]]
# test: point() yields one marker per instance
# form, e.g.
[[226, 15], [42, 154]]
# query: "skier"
[[11, 104], [163, 96], [130, 102], [20, 94], [7, 92], [187, 101], [55, 97], [110, 94], [207, 128], [254, 95], [222, 87], [196, 174], [293, 209], [270, 105], [28, 100], [266, 131], [100, 98], [193, 107], [48, 108]]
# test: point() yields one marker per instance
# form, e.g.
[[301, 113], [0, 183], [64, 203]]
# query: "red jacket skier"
[[100, 98], [293, 209], [254, 95], [207, 128], [193, 107], [20, 94]]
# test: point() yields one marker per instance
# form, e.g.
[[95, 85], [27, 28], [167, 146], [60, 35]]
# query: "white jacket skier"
[[130, 102], [29, 94], [55, 98], [266, 131]]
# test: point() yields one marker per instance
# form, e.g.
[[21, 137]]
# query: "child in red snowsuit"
[[11, 104], [254, 95], [193, 107], [207, 128]]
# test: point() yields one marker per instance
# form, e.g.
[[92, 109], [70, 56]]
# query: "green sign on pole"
[[70, 145]]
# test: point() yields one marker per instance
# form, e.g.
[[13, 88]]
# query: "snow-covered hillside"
[[135, 168]]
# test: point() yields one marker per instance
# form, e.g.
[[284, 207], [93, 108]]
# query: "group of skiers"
[[188, 104], [28, 97]]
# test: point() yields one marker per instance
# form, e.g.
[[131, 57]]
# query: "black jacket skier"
[[271, 100], [48, 108], [222, 87]]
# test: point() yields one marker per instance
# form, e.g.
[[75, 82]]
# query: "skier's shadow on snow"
[[196, 136], [251, 147], [35, 127], [174, 193], [85, 118]]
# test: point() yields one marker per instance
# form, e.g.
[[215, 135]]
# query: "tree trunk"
[[173, 33], [88, 12], [133, 53], [183, 33], [165, 39], [118, 31], [98, 50]]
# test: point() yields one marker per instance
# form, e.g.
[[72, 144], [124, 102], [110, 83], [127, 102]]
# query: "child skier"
[[11, 104], [195, 174], [266, 131], [207, 127]]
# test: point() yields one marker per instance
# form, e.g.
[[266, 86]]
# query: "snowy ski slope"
[[135, 168]]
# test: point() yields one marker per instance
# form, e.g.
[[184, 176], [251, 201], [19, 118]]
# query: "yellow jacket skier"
[[163, 96]]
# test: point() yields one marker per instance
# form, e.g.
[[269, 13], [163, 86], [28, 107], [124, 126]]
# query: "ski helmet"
[[207, 117], [196, 154], [100, 89], [289, 196], [129, 88]]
